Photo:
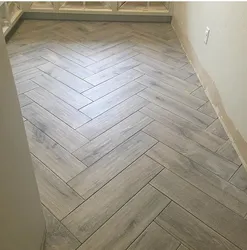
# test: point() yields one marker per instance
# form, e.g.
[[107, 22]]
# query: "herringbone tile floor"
[[127, 150]]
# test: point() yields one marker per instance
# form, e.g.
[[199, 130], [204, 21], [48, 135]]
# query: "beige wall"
[[22, 224], [222, 63]]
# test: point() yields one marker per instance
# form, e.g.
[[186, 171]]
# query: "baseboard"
[[213, 95], [96, 17]]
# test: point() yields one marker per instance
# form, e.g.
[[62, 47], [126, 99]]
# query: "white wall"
[[22, 223], [224, 58]]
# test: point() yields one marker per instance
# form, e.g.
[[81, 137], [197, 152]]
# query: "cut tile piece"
[[174, 93], [103, 144], [200, 177], [239, 179], [200, 93], [105, 103], [26, 75], [56, 195], [58, 236], [112, 84], [208, 109], [216, 216], [96, 210], [183, 127], [65, 77], [217, 129], [53, 127], [57, 107], [154, 238], [123, 228], [192, 150], [25, 86], [190, 230], [194, 80], [95, 177], [60, 161], [177, 108], [60, 90], [111, 117], [228, 151], [24, 100]]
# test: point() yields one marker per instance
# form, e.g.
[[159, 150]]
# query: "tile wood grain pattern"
[[57, 107], [60, 161], [192, 150], [58, 237], [167, 90], [112, 60], [24, 100], [201, 178], [208, 109], [92, 179], [166, 78], [183, 127], [104, 143], [26, 75], [221, 219], [112, 84], [95, 211], [194, 79], [154, 238], [177, 108], [65, 77], [200, 93], [69, 54], [162, 67], [122, 228], [239, 179], [60, 90], [105, 103], [25, 86], [228, 151], [34, 62], [217, 129], [190, 230], [67, 65], [58, 197], [53, 127], [111, 117]]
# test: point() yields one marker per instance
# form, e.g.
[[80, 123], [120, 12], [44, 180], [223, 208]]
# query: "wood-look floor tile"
[[57, 107], [60, 161], [24, 100], [111, 117], [25, 86], [177, 108], [65, 77], [192, 150], [53, 127], [58, 197], [60, 90], [183, 127], [103, 144], [154, 238], [239, 179], [26, 75], [122, 229], [58, 236], [112, 84], [217, 129], [200, 93], [95, 177], [167, 90], [191, 230], [164, 77], [208, 109], [194, 80], [200, 177], [114, 98], [95, 211], [221, 219]]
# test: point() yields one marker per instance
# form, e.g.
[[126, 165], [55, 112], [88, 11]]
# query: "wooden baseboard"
[[213, 95]]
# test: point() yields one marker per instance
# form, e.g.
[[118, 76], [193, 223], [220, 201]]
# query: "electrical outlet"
[[207, 32]]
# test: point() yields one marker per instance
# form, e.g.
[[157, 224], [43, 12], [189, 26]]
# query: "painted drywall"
[[222, 63], [22, 224]]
